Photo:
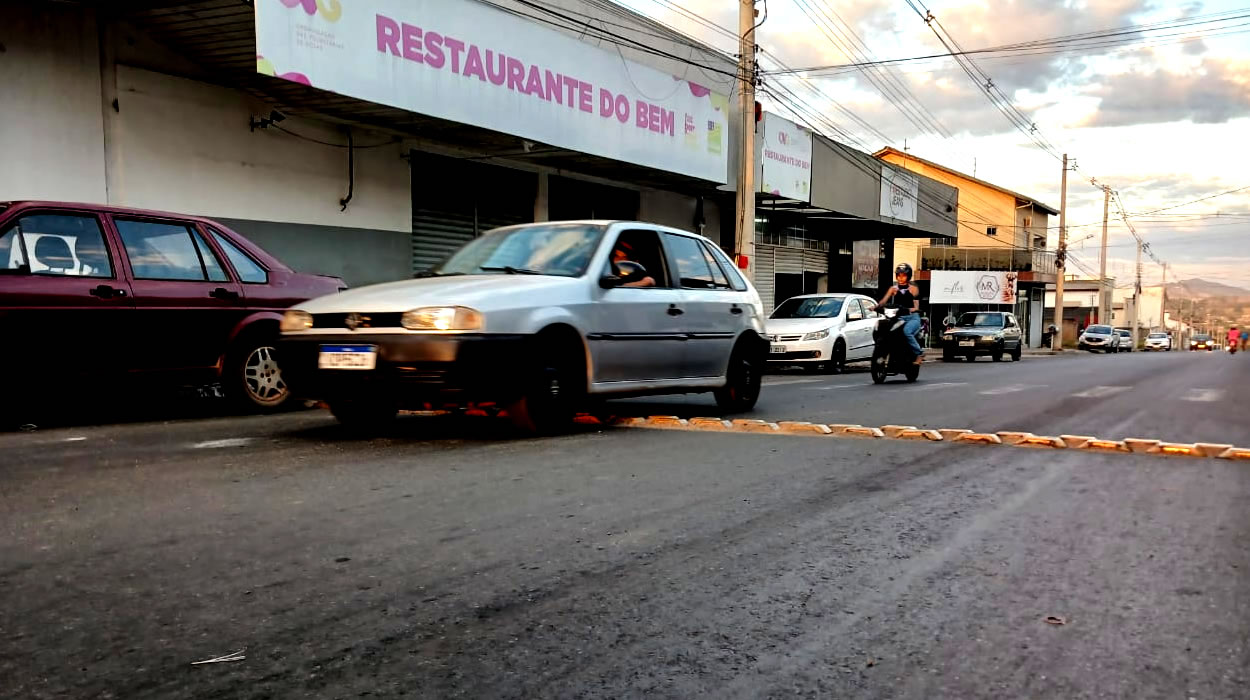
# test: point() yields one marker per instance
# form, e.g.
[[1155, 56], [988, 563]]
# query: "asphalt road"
[[450, 558]]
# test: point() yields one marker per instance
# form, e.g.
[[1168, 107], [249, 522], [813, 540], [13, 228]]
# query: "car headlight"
[[442, 318], [295, 320], [817, 335]]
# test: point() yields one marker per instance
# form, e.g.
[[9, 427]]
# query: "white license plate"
[[348, 357], [967, 343], [778, 349]]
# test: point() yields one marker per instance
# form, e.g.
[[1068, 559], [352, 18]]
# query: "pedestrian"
[[622, 253]]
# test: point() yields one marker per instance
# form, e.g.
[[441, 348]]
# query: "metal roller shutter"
[[816, 261], [764, 282], [788, 261], [437, 233]]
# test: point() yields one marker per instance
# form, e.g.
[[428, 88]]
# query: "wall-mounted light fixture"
[[265, 122]]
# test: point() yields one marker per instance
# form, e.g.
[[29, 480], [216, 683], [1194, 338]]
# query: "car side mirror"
[[610, 281]]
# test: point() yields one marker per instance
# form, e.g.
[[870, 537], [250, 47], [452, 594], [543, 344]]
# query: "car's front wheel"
[[837, 360], [743, 379], [252, 377], [550, 397]]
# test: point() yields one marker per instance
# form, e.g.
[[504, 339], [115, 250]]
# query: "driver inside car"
[[623, 252]]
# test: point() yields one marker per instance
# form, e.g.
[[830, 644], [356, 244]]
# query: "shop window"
[[991, 231]]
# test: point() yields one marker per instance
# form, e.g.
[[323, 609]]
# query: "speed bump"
[[1177, 449], [981, 438], [1012, 437], [918, 434], [754, 426], [1141, 446], [666, 422], [1042, 441], [709, 424], [1236, 453], [861, 431], [892, 431], [803, 428]]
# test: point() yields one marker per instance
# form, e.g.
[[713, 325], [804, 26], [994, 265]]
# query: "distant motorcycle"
[[892, 354]]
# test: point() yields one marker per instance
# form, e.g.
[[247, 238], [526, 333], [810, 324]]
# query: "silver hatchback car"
[[539, 318]]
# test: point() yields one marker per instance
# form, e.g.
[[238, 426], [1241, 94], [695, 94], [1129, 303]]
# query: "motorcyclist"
[[906, 297], [1234, 338]]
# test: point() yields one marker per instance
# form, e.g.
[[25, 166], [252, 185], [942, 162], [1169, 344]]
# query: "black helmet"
[[903, 269]]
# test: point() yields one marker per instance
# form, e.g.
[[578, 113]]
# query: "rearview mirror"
[[610, 281]]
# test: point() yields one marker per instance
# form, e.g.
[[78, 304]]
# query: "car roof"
[[826, 295], [609, 223]]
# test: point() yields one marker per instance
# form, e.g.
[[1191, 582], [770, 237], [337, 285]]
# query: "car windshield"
[[810, 307], [981, 320], [1202, 338], [1100, 330], [1157, 336], [562, 250]]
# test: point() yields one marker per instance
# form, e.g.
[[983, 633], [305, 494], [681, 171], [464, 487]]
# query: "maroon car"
[[89, 292]]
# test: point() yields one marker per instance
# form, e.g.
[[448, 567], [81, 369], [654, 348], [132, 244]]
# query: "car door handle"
[[674, 311], [106, 292], [223, 293], [735, 309]]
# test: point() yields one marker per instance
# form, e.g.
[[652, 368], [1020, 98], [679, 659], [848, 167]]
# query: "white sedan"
[[822, 331]]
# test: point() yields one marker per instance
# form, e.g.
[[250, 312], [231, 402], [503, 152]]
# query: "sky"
[[1162, 117]]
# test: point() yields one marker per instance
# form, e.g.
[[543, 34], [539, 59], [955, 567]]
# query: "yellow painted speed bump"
[[1141, 446], [666, 422], [709, 424], [1077, 442], [587, 419], [1177, 449], [952, 433], [918, 434], [981, 438], [1042, 441], [1236, 453], [892, 431], [1012, 437], [754, 426], [630, 421], [803, 428], [1105, 446], [1209, 449], [861, 431]]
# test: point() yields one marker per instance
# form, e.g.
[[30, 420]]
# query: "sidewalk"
[[1031, 352]]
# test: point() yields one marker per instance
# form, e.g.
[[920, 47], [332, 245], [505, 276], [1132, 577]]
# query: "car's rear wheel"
[[550, 397], [948, 356], [744, 377], [252, 377]]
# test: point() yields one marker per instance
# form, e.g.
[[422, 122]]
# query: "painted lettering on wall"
[[440, 52]]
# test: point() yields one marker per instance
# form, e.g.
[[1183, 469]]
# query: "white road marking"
[[784, 382], [75, 439], [1098, 392], [1010, 389], [937, 385], [1203, 395], [220, 444], [835, 386]]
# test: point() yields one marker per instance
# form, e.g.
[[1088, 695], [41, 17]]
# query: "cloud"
[[1215, 93]]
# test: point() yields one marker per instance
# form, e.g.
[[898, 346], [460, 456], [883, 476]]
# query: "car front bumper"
[[800, 351], [412, 367], [980, 344]]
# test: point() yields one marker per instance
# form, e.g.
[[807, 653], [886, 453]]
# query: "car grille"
[[785, 338], [364, 320], [423, 373]]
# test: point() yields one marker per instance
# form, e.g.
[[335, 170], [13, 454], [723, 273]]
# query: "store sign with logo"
[[469, 62], [900, 192], [972, 287], [785, 158]]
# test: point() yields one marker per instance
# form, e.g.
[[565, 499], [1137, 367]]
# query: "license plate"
[[967, 343], [778, 349], [348, 357]]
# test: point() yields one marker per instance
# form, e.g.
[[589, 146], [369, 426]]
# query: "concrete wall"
[[359, 256], [186, 147], [51, 128]]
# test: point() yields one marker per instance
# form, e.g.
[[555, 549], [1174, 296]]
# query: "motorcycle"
[[892, 354], [1232, 348]]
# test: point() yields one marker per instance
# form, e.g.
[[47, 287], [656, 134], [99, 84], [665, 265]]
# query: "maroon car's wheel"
[[253, 377]]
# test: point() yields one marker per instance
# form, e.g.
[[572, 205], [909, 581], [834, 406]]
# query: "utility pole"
[[744, 232], [1104, 294], [1137, 295], [1060, 257]]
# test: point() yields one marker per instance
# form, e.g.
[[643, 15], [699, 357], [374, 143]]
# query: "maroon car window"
[[246, 268], [216, 273], [162, 251], [56, 244]]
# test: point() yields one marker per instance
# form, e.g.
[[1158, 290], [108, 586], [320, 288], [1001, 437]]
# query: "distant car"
[[822, 331], [1126, 340], [107, 291], [541, 319], [1202, 341], [1099, 337], [993, 333], [1156, 342]]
